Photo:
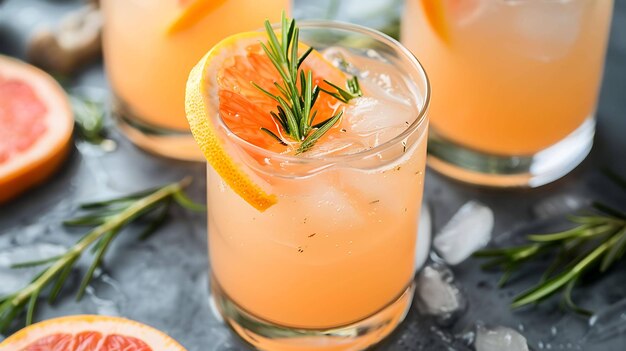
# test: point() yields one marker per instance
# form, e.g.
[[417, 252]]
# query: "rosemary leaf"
[[29, 264], [88, 221], [297, 92], [314, 137], [187, 203], [60, 280], [104, 243], [156, 223], [614, 251], [89, 118], [569, 303], [578, 231], [31, 307], [273, 135]]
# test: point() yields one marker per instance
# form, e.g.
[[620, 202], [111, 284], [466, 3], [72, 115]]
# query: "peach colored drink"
[[148, 65], [510, 78], [336, 252]]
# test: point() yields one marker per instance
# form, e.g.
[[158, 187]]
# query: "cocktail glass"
[[330, 266], [515, 84], [149, 52]]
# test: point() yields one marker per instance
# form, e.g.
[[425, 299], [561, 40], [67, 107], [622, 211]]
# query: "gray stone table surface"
[[163, 281]]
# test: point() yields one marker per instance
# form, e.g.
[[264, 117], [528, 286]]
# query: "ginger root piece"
[[76, 42]]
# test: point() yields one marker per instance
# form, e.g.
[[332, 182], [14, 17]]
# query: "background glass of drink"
[[330, 266], [515, 84], [148, 62]]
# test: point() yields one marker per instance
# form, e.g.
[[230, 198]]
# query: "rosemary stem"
[[115, 222]]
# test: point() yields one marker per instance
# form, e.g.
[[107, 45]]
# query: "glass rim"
[[407, 55]]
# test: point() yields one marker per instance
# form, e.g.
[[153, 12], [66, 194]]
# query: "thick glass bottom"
[[165, 142], [475, 167], [267, 336]]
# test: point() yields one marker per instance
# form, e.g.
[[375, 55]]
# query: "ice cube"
[[16, 278], [438, 295], [368, 115], [608, 322], [559, 205], [499, 339], [545, 30], [423, 237], [331, 145], [106, 296], [342, 59], [468, 230]]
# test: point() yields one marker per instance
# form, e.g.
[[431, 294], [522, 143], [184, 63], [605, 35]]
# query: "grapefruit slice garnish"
[[192, 13], [89, 333], [227, 71], [36, 124]]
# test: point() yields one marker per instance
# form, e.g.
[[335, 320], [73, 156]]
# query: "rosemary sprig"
[[596, 244], [296, 92], [111, 217], [89, 119]]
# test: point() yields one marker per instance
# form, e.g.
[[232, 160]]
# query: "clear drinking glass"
[[330, 266], [515, 82], [149, 52]]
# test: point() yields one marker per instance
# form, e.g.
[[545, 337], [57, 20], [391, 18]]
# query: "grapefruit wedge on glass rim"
[[221, 85], [89, 333], [36, 124]]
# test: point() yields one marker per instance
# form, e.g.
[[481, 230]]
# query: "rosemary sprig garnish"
[[110, 216], [596, 244], [89, 119], [297, 93]]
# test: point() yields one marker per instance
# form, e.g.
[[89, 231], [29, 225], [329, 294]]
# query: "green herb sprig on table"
[[89, 119], [109, 218], [297, 94], [596, 244]]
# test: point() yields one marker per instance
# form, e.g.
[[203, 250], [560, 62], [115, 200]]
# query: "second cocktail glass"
[[515, 84], [149, 49]]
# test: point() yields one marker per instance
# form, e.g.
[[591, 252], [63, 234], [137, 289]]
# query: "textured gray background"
[[163, 281]]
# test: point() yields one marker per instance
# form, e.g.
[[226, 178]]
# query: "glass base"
[[170, 143], [264, 335], [475, 167]]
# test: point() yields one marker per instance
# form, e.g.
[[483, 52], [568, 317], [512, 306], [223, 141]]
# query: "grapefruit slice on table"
[[36, 124], [225, 74], [89, 333]]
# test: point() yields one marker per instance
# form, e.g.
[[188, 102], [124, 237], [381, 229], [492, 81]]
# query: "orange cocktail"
[[150, 47], [511, 79], [313, 248]]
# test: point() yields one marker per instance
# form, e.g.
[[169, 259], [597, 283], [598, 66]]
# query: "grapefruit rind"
[[154, 338], [204, 132], [435, 15], [34, 165], [192, 14]]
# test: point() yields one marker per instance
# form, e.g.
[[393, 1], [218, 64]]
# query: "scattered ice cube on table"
[[559, 205], [468, 230], [499, 339], [106, 296], [608, 322], [438, 295], [13, 279], [424, 234]]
